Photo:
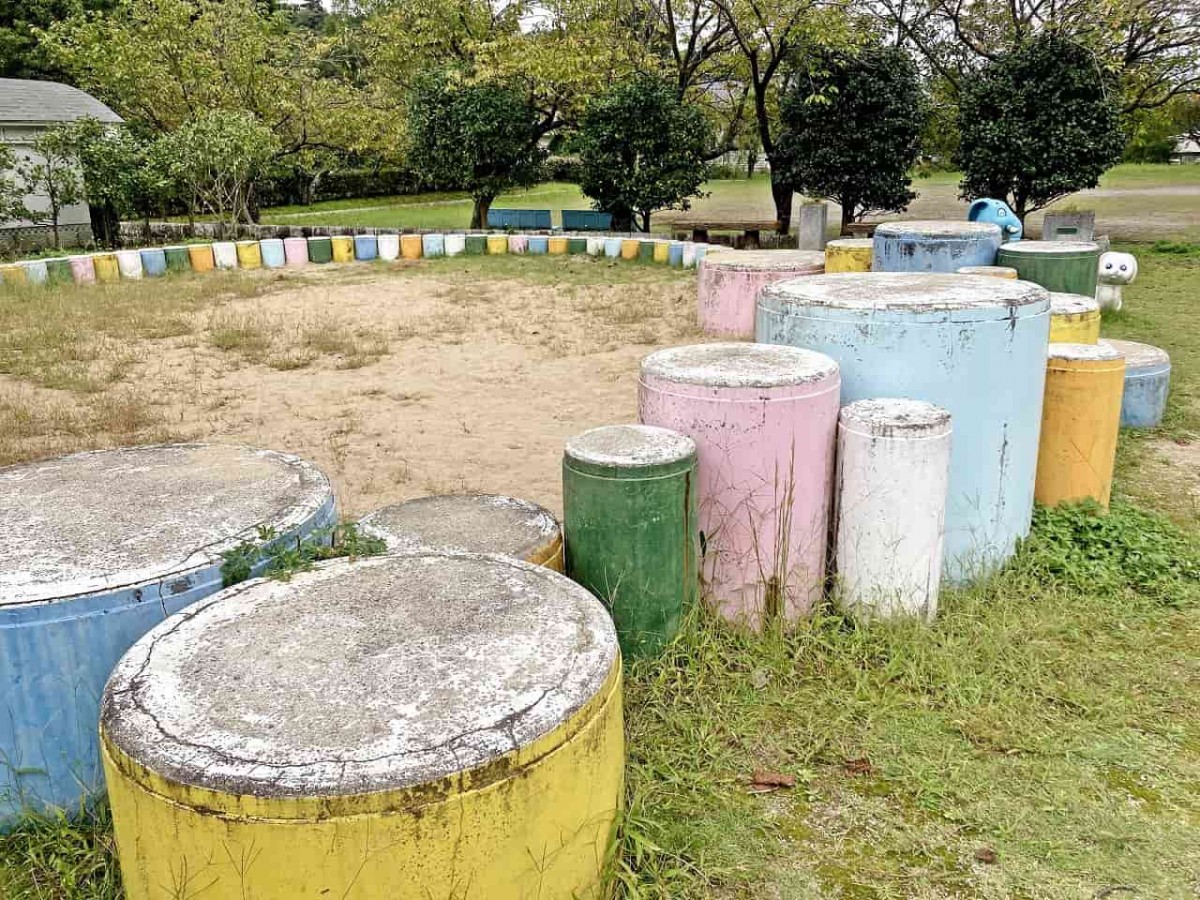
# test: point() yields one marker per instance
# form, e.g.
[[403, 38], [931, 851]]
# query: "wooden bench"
[[525, 219], [751, 229]]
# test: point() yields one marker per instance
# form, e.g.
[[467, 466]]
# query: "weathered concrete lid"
[[852, 243], [630, 446], [116, 518], [738, 365], [1050, 247], [1101, 352], [766, 260], [914, 291], [896, 417], [1139, 355], [246, 243], [1072, 304], [993, 271], [467, 523], [938, 228], [357, 677]]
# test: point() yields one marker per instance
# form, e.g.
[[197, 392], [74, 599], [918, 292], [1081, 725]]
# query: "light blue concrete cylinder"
[[96, 549], [974, 345], [612, 247], [35, 271], [366, 247], [1147, 384], [154, 262], [274, 256], [433, 245], [934, 246], [539, 245], [675, 254], [698, 253]]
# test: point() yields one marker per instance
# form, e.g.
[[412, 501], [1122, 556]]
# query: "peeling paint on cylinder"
[[1074, 319], [470, 523], [455, 244], [200, 256], [1069, 267], [272, 252], [108, 272], [83, 270], [1080, 422], [477, 245], [849, 255], [497, 244], [629, 502], [411, 246], [154, 262], [893, 473], [224, 255], [557, 246], [729, 281], [764, 420], [1147, 383], [129, 264], [993, 271], [974, 345], [97, 548], [433, 245], [343, 248], [595, 246], [518, 243], [630, 247], [411, 725], [538, 246], [366, 247], [613, 247], [934, 246], [295, 251], [249, 255]]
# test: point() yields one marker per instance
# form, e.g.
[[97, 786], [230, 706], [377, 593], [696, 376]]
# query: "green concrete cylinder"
[[646, 251], [629, 503], [1066, 267], [476, 244], [320, 250], [177, 259], [58, 271], [576, 245]]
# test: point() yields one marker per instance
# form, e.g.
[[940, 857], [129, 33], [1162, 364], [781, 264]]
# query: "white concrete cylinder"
[[893, 474], [456, 244], [224, 255], [388, 246], [129, 263], [595, 246]]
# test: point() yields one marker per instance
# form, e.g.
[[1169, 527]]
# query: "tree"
[[52, 171], [851, 130], [12, 190], [477, 137], [1037, 124], [21, 52], [641, 149]]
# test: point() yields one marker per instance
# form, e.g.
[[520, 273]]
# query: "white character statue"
[[1116, 270]]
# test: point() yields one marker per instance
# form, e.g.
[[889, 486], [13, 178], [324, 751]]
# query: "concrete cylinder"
[[497, 244], [58, 270], [629, 515], [538, 245], [455, 244], [83, 271], [417, 725], [320, 249], [763, 419], [518, 243], [129, 264], [1080, 421], [577, 245], [992, 271], [1147, 383], [613, 247], [849, 255], [249, 255], [199, 255], [433, 245], [272, 252], [729, 281], [342, 246], [479, 244], [106, 268], [295, 251], [973, 345], [224, 255], [154, 262], [662, 252], [646, 250], [934, 246], [177, 259], [366, 247], [14, 274], [630, 247], [1074, 319], [595, 246], [557, 246], [470, 523], [699, 252], [893, 474], [412, 246], [97, 548], [1069, 267], [388, 247], [689, 255], [675, 254]]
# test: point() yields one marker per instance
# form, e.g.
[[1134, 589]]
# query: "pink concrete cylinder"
[[729, 282], [295, 251], [518, 243], [83, 270], [764, 419]]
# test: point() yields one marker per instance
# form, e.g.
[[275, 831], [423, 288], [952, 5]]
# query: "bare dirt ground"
[[398, 382]]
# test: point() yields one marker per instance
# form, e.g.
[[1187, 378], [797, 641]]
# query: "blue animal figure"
[[998, 213]]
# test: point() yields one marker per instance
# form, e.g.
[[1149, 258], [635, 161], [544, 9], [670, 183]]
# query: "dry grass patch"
[[284, 343]]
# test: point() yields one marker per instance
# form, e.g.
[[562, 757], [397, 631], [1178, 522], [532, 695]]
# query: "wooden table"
[[751, 229]]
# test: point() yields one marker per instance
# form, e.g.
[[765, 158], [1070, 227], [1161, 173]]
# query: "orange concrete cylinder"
[[630, 248], [411, 246], [200, 256]]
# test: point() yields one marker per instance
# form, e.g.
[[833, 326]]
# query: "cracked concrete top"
[[1101, 352], [1138, 355], [938, 228], [1052, 248], [467, 523], [800, 261], [355, 677], [895, 417], [116, 518], [911, 291], [738, 365], [1072, 304], [852, 243], [630, 446]]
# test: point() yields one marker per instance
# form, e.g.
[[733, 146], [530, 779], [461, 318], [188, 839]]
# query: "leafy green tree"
[[52, 172], [1037, 124], [641, 149], [22, 54], [12, 190], [482, 138], [851, 131]]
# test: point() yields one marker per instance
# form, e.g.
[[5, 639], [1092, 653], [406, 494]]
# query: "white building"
[[27, 108], [1186, 151]]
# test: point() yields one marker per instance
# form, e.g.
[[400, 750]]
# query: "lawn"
[[1040, 740]]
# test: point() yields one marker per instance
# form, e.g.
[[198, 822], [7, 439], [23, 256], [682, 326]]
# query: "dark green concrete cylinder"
[[629, 502], [646, 251], [177, 259], [476, 245], [577, 245], [58, 271], [1068, 267], [320, 250]]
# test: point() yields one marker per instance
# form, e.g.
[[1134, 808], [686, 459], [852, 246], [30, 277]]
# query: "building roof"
[[48, 101], [1187, 145]]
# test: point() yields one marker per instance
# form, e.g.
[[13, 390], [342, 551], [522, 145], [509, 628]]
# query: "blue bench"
[[586, 220], [523, 219]]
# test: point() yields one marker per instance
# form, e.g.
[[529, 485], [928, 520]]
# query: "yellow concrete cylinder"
[[471, 523], [343, 248], [412, 725], [558, 246], [662, 252], [848, 255], [497, 244], [1006, 272], [13, 274], [411, 246], [1074, 319], [107, 270], [199, 255], [629, 248], [249, 255], [1081, 416]]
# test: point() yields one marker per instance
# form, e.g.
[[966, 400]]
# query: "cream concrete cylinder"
[[456, 244], [225, 254], [129, 263]]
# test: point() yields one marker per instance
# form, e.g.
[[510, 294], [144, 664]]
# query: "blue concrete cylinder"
[[433, 245], [366, 246], [974, 345], [675, 254], [934, 246], [154, 262], [612, 247], [539, 245], [274, 255], [96, 549], [1147, 383]]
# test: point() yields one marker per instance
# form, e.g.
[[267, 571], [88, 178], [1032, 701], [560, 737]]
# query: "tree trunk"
[[847, 214], [645, 214], [54, 229], [751, 160], [622, 219], [782, 194], [480, 213]]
